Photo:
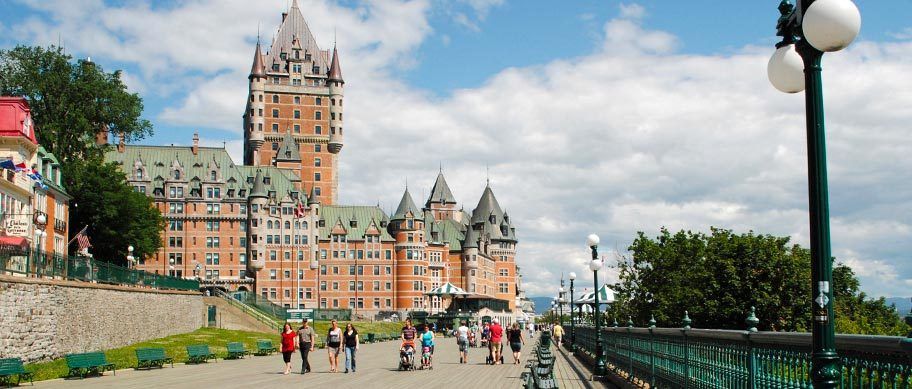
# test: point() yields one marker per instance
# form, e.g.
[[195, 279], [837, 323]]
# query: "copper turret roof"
[[335, 71], [259, 68], [406, 205], [441, 192]]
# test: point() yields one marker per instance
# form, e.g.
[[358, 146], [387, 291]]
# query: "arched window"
[[177, 174], [275, 99], [304, 225], [297, 225], [139, 174], [269, 224], [287, 225], [212, 175]]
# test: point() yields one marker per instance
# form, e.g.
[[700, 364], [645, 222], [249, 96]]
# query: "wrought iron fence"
[[42, 264], [706, 358]]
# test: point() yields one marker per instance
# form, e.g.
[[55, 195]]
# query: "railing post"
[[629, 349], [752, 322], [686, 324], [652, 366]]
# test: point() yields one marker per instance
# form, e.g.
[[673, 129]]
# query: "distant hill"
[[903, 304]]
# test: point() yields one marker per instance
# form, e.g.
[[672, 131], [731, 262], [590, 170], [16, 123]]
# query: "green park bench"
[[236, 350], [265, 347], [371, 338], [199, 353], [88, 363], [149, 357], [10, 367]]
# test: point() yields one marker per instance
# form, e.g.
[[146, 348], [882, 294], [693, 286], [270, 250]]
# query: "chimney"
[[122, 143], [101, 137], [196, 143]]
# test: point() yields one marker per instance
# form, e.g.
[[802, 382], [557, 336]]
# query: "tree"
[[117, 215], [71, 102], [718, 277]]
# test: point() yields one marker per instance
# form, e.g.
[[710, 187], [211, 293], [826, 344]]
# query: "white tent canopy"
[[447, 289], [605, 296]]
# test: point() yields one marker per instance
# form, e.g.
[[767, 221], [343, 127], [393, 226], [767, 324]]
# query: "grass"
[[216, 338]]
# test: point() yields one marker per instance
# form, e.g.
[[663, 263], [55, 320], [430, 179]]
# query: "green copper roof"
[[363, 216], [487, 206], [441, 193], [452, 232], [406, 205]]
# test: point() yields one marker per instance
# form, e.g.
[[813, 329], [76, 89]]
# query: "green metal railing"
[[262, 304], [705, 358], [42, 264]]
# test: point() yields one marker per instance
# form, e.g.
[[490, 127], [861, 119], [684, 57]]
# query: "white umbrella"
[[447, 289]]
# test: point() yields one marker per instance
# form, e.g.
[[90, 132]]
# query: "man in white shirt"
[[462, 339]]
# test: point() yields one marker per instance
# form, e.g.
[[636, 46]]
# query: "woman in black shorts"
[[515, 337]]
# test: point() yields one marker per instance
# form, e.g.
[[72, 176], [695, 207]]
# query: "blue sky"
[[591, 116]]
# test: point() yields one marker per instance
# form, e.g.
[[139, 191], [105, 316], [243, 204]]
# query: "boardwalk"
[[377, 365]]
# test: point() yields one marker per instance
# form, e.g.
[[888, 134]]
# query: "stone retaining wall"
[[42, 319]]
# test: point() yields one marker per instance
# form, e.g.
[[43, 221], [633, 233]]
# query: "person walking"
[[427, 342], [462, 340], [496, 336], [515, 337], [333, 342], [531, 327], [351, 345], [289, 342], [558, 333], [306, 342]]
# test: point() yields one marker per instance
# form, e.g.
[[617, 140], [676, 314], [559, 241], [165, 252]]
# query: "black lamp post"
[[592, 241], [807, 31], [572, 323]]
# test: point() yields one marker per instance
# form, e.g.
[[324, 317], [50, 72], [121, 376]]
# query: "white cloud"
[[632, 11], [631, 137]]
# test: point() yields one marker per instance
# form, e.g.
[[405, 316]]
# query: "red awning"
[[13, 241]]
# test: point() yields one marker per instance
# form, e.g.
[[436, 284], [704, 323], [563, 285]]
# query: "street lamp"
[[592, 241], [808, 30], [560, 307], [130, 257], [171, 271], [572, 276]]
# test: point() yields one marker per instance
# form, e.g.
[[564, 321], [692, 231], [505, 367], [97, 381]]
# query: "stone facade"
[[43, 319]]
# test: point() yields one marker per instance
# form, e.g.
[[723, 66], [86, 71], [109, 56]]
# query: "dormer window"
[[492, 219], [353, 224], [283, 56], [316, 70], [307, 56], [297, 54], [275, 67], [212, 175], [177, 174], [139, 173], [267, 180]]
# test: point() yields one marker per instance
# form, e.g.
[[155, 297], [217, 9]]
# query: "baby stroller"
[[426, 358], [407, 358], [489, 360], [472, 341]]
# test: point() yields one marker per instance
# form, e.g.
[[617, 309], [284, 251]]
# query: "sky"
[[596, 116]]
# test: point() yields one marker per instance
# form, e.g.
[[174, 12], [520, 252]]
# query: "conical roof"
[[288, 150], [295, 27], [259, 188], [406, 205], [471, 239], [486, 207], [312, 197], [259, 68], [335, 71], [441, 193]]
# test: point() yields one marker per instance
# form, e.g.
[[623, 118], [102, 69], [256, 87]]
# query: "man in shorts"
[[558, 333], [496, 336], [462, 339]]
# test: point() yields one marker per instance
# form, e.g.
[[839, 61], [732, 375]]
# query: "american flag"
[[82, 239]]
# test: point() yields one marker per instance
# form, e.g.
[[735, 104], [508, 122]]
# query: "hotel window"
[[504, 288], [272, 255], [297, 128], [504, 272], [332, 115], [275, 99], [275, 80], [318, 115], [317, 162], [260, 112], [389, 255], [351, 285], [323, 285], [317, 191], [275, 127], [317, 176], [242, 259], [176, 225], [376, 285], [287, 274], [318, 101], [318, 130], [389, 286], [297, 114], [332, 102], [335, 286], [275, 113], [297, 99], [317, 148]]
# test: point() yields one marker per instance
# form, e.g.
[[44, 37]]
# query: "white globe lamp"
[[786, 70], [831, 25]]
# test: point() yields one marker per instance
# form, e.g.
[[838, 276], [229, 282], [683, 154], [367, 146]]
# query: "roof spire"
[[335, 70], [258, 69]]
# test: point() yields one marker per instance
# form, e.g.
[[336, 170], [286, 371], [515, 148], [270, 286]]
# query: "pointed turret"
[[406, 205], [258, 70], [288, 150], [471, 239], [259, 188], [335, 71], [312, 197], [487, 207], [440, 193]]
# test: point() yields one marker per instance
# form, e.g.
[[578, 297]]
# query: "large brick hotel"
[[272, 225]]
